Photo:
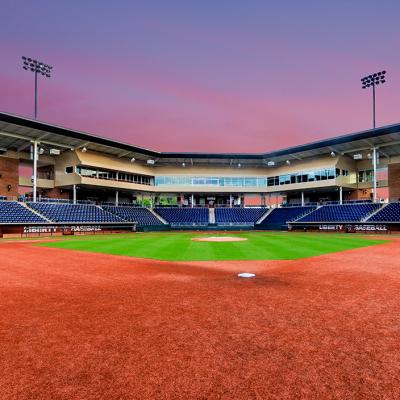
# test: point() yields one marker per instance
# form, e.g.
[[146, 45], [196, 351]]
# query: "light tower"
[[37, 67], [378, 78]]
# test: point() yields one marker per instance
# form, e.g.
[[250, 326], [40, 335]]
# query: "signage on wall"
[[354, 228], [55, 229]]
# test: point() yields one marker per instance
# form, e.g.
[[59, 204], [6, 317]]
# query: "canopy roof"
[[16, 133]]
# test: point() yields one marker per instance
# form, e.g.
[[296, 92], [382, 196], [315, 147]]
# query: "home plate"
[[246, 275]]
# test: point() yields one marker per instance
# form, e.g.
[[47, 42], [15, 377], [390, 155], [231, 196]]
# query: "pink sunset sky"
[[216, 76]]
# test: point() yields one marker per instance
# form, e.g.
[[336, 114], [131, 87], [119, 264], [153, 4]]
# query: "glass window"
[[301, 177], [369, 175]]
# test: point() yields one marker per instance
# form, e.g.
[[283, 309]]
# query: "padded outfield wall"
[[53, 229]]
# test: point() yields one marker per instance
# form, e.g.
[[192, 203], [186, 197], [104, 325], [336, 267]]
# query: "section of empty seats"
[[279, 217], [184, 216], [74, 213], [389, 213], [12, 212], [340, 213], [238, 216], [140, 215]]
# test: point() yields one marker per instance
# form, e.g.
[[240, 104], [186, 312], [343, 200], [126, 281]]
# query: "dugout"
[[63, 229], [343, 227]]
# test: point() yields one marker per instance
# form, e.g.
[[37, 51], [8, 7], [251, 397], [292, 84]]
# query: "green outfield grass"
[[180, 247]]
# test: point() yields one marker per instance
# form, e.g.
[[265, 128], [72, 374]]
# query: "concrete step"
[[211, 215], [35, 212], [269, 211], [374, 212], [158, 216]]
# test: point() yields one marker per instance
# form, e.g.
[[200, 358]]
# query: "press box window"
[[69, 170]]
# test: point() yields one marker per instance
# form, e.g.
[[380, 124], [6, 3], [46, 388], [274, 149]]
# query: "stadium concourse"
[[54, 176]]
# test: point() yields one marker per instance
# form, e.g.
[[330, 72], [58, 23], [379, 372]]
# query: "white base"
[[246, 275]]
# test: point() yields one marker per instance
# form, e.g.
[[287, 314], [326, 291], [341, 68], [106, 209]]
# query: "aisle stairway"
[[211, 215]]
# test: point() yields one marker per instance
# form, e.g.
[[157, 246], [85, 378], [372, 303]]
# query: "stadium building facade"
[[78, 166], [40, 161]]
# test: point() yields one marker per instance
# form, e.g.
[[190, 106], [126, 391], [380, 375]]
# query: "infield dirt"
[[78, 325]]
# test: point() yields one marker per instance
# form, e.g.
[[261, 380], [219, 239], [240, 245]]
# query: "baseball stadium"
[[129, 273]]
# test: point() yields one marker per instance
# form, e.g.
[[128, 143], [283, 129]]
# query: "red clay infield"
[[86, 326]]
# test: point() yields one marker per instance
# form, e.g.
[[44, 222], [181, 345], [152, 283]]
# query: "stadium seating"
[[278, 217], [390, 213], [74, 213], [340, 213], [141, 215], [238, 216], [14, 212], [184, 216]]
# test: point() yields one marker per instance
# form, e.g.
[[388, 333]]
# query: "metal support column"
[[302, 199], [341, 195], [373, 106], [35, 160], [74, 194], [116, 197], [374, 162]]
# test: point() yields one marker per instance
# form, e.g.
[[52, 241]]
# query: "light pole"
[[372, 80], [37, 67], [378, 78]]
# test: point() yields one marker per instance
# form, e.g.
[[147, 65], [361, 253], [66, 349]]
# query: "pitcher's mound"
[[220, 239]]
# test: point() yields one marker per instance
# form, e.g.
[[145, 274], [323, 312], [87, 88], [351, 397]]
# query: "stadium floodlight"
[[37, 67], [84, 150], [333, 154], [378, 78], [183, 165], [133, 159], [288, 162], [54, 152]]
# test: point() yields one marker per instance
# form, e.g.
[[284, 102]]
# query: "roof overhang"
[[16, 133]]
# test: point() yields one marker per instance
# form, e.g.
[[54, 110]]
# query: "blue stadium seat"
[[184, 216], [341, 213], [279, 217], [74, 213], [12, 212], [390, 213], [141, 215], [238, 216]]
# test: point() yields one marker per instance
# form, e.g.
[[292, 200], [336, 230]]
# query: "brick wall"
[[394, 181], [56, 193], [9, 176], [358, 194]]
